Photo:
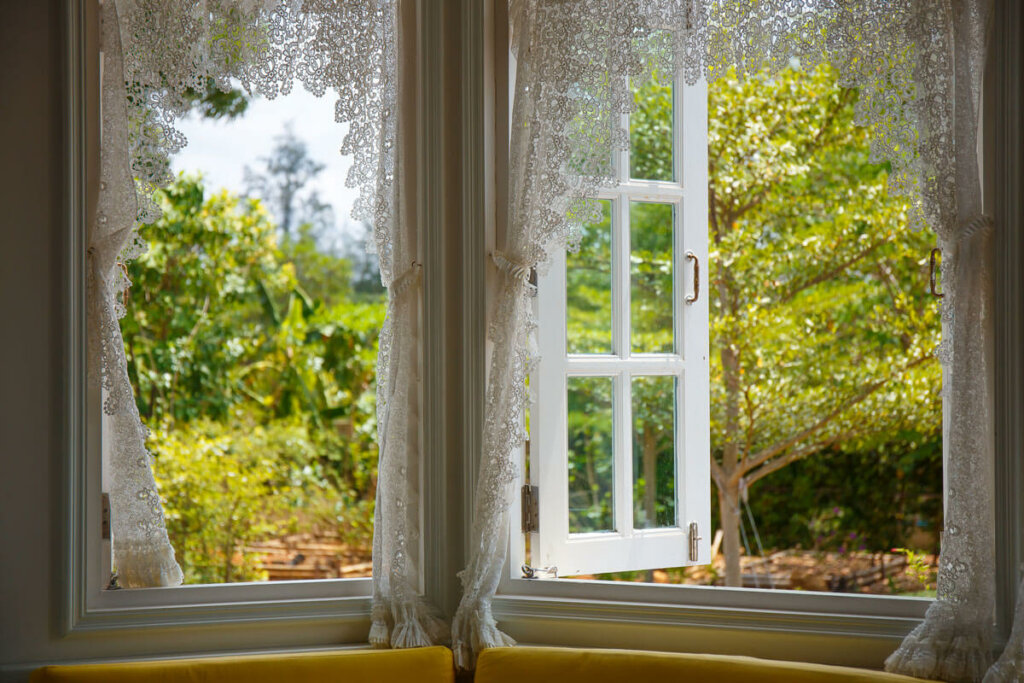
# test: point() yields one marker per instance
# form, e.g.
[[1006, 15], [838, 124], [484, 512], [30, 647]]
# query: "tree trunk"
[[729, 511], [728, 489], [650, 474]]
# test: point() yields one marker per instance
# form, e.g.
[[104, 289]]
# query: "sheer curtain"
[[156, 53], [917, 65]]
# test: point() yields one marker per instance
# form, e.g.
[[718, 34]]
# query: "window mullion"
[[622, 494], [620, 277]]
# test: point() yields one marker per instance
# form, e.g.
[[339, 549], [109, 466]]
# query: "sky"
[[222, 149]]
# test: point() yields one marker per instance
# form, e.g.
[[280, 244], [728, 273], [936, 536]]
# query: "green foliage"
[[591, 466], [848, 499], [821, 333], [250, 361], [650, 130], [816, 294], [589, 288], [822, 336], [214, 103], [223, 486], [918, 566]]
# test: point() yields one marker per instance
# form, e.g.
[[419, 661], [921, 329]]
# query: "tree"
[[284, 185], [256, 374], [821, 333], [214, 103], [365, 266]]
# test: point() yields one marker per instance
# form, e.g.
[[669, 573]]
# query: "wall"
[[30, 228]]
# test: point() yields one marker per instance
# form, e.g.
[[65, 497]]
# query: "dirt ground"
[[305, 556]]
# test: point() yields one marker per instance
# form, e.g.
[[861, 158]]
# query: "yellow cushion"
[[564, 665], [425, 664]]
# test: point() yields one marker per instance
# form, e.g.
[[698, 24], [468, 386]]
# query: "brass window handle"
[[690, 298]]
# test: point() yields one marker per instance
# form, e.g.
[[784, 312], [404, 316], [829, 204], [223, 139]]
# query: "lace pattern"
[[917, 65], [156, 54], [1010, 666], [142, 554]]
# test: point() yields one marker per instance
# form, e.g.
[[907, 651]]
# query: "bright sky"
[[222, 149]]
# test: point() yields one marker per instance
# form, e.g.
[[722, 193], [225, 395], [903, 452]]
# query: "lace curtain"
[[156, 53], [918, 67]]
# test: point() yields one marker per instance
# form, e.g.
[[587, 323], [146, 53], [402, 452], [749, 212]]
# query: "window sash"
[[627, 547]]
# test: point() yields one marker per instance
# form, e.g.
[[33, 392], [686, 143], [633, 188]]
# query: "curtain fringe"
[[474, 630], [415, 626], [1010, 667], [942, 648], [146, 567]]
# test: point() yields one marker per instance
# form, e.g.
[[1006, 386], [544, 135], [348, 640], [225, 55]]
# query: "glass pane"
[[650, 129], [591, 466], [654, 462], [650, 273], [588, 288]]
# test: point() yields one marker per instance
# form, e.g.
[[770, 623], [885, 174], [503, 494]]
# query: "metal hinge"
[[531, 509], [105, 517], [694, 538]]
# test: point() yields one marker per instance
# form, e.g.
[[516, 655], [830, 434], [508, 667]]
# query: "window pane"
[[251, 335], [650, 130], [654, 462], [588, 284], [650, 270], [590, 454]]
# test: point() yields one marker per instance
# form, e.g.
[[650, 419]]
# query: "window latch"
[[694, 538], [531, 509], [532, 572]]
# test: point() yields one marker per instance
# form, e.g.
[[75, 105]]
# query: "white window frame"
[[831, 628], [627, 547], [318, 612], [844, 629]]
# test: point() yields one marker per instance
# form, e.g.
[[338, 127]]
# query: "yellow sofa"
[[434, 664], [569, 665], [427, 664]]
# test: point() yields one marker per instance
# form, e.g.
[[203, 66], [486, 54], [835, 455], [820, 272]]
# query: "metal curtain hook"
[[931, 273]]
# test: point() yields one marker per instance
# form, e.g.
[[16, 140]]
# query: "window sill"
[[849, 630], [321, 603]]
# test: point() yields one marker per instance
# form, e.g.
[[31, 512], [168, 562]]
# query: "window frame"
[[845, 629], [319, 612], [473, 114]]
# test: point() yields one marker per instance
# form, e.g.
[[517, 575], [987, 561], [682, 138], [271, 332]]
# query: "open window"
[[750, 211], [619, 437]]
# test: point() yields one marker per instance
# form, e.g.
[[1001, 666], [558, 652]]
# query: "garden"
[[252, 344]]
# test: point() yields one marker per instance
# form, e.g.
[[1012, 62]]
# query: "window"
[[824, 342], [619, 424], [861, 630], [250, 334], [318, 607]]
